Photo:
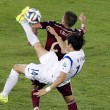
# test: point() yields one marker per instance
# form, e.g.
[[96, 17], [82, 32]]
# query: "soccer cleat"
[[25, 10], [3, 100], [21, 17]]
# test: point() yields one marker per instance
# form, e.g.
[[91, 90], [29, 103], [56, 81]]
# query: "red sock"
[[72, 105], [35, 99]]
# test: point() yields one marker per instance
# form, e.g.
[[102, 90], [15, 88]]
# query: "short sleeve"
[[47, 23], [66, 64]]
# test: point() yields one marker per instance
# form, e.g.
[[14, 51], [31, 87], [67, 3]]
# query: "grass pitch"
[[91, 87]]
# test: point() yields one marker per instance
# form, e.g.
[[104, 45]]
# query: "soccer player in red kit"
[[62, 29]]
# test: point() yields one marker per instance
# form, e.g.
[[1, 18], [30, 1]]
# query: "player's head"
[[75, 41], [69, 19]]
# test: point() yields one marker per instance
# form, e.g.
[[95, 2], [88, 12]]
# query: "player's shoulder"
[[51, 23], [80, 52], [61, 26], [56, 23], [75, 54]]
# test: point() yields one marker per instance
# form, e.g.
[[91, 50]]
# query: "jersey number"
[[33, 71], [77, 70]]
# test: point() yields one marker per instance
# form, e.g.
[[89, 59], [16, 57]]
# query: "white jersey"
[[49, 69], [71, 64]]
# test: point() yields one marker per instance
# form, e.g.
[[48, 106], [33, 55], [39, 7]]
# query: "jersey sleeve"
[[66, 64], [47, 23]]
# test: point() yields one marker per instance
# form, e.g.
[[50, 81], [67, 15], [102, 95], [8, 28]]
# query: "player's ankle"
[[36, 108]]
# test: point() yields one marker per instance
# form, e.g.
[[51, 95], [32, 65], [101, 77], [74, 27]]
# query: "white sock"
[[32, 38], [10, 83]]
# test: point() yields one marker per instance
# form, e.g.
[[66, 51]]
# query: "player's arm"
[[82, 19], [58, 38], [55, 84], [35, 27]]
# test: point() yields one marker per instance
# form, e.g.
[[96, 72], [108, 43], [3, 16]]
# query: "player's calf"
[[35, 99], [72, 105]]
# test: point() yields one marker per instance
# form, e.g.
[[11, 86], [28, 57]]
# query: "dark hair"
[[70, 18], [76, 40]]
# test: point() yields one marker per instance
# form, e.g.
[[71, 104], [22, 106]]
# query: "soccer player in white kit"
[[50, 71]]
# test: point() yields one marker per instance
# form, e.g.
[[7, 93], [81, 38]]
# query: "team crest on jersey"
[[64, 64]]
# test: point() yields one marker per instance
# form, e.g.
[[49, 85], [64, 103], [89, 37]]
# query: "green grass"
[[91, 87]]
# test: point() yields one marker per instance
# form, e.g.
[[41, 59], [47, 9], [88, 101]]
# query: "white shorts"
[[42, 72], [38, 72], [49, 58]]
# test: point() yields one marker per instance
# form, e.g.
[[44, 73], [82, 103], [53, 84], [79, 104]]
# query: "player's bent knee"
[[69, 98], [15, 67]]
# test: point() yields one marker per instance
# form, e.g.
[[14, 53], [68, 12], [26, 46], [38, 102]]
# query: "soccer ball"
[[33, 16]]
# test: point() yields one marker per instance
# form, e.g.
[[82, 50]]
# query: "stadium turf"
[[91, 87]]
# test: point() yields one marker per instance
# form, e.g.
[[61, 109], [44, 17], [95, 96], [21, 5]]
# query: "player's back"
[[77, 61], [62, 32]]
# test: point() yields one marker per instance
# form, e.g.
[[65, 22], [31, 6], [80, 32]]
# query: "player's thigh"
[[40, 50], [38, 72], [65, 90], [33, 71], [20, 68], [49, 58]]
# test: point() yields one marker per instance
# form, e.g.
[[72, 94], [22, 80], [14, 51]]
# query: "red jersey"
[[61, 31]]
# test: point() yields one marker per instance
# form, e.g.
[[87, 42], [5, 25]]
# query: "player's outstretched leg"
[[10, 83], [33, 39]]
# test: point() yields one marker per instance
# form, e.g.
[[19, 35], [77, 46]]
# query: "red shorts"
[[64, 90], [37, 83]]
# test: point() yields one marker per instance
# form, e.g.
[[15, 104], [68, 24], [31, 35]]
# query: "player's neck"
[[70, 50], [66, 26]]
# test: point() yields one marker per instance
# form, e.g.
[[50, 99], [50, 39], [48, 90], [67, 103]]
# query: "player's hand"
[[82, 18], [51, 30], [40, 92]]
